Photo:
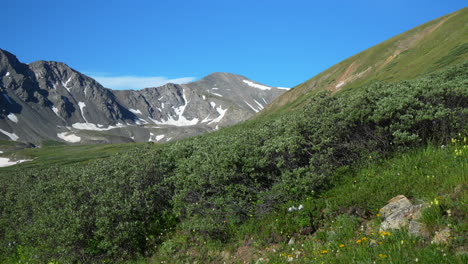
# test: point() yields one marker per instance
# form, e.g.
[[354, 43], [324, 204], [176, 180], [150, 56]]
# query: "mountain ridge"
[[74, 107]]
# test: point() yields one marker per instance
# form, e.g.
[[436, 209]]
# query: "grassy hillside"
[[419, 51], [215, 189], [342, 235]]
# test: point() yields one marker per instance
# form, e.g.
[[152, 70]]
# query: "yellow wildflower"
[[341, 245], [358, 241]]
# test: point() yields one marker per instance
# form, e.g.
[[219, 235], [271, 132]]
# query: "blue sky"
[[136, 44]]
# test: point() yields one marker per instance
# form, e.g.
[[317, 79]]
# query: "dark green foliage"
[[119, 207]]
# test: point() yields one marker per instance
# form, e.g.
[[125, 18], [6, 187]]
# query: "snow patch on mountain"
[[56, 111], [69, 137], [135, 111], [7, 74], [91, 126], [159, 137], [82, 105], [207, 119], [12, 117], [221, 113], [253, 108], [65, 84], [181, 119], [5, 162], [256, 85], [259, 104], [12, 136], [217, 94]]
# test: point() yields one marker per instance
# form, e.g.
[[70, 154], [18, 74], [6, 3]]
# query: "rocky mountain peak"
[[50, 100]]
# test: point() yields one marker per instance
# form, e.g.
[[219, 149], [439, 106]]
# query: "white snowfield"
[[256, 85], [69, 137], [253, 108], [259, 104], [340, 84], [283, 88], [181, 119], [217, 94], [65, 84], [12, 117], [82, 105], [12, 136], [56, 111], [1, 151], [91, 126], [221, 113], [159, 137], [5, 162], [207, 119], [135, 111], [7, 74], [140, 121]]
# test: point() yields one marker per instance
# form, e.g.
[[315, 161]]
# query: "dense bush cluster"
[[119, 207]]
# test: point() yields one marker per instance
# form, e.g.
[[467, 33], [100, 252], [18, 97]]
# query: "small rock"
[[395, 205], [399, 213], [395, 213], [442, 237], [417, 228], [291, 241]]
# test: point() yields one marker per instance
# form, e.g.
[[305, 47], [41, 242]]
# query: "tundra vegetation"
[[207, 197]]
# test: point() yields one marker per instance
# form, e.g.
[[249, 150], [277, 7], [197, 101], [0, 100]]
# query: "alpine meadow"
[[367, 162]]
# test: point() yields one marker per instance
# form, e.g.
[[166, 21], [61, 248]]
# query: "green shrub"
[[119, 207]]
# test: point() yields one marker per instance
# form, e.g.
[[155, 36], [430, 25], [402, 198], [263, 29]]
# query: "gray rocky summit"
[[49, 100]]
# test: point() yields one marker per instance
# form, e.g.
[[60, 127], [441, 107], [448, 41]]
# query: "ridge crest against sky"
[[278, 43]]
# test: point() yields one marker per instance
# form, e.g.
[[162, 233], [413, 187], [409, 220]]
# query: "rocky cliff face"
[[49, 100]]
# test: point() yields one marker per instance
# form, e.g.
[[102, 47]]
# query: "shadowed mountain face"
[[49, 100]]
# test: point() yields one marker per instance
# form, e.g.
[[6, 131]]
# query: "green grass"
[[421, 50], [55, 153], [423, 175]]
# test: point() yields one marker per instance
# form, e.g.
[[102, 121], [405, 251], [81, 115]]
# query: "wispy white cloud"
[[136, 82]]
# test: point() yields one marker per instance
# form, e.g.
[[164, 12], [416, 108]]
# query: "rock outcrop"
[[49, 100]]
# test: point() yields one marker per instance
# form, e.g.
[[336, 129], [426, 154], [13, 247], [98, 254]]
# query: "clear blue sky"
[[278, 43]]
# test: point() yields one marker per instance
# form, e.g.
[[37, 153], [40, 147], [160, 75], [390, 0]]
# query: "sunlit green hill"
[[421, 50]]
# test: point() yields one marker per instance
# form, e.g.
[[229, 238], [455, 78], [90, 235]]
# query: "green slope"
[[425, 174], [424, 49]]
